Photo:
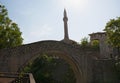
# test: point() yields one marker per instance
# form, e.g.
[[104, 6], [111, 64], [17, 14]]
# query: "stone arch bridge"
[[80, 59]]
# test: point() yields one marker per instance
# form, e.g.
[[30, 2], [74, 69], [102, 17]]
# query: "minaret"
[[65, 19]]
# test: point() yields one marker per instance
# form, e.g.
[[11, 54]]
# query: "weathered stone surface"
[[82, 60]]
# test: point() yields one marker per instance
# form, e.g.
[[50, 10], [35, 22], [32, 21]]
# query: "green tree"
[[84, 41], [112, 29], [95, 43], [10, 34], [47, 69]]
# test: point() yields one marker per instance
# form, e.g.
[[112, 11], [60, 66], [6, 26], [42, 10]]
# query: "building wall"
[[105, 49]]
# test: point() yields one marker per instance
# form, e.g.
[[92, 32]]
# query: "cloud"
[[45, 30], [38, 33]]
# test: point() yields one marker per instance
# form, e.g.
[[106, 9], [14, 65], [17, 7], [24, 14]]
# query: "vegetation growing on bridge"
[[85, 43]]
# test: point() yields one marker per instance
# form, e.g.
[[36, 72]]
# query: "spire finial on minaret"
[[65, 19], [65, 13]]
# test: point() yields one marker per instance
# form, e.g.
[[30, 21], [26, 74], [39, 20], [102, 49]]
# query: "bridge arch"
[[77, 71], [62, 52], [18, 57]]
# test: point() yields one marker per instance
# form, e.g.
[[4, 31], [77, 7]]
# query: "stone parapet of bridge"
[[82, 60]]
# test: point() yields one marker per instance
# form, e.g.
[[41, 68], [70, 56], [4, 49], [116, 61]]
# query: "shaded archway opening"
[[67, 59], [49, 69]]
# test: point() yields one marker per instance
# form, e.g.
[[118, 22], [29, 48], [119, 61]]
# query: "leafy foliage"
[[47, 69], [84, 41], [113, 37], [113, 32], [10, 34], [95, 43]]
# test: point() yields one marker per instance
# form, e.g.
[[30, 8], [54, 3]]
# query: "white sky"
[[43, 19]]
